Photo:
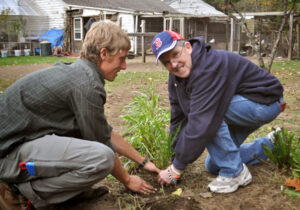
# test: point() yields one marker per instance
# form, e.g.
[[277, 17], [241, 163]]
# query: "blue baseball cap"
[[164, 42]]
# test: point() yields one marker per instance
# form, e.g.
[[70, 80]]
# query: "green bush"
[[286, 152], [148, 128]]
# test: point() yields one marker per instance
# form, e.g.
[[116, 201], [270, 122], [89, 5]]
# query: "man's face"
[[111, 65], [179, 61]]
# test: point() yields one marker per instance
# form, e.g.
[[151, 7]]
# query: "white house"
[[194, 7], [199, 19], [74, 15], [126, 13]]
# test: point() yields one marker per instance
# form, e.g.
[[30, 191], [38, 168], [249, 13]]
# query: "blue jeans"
[[226, 153]]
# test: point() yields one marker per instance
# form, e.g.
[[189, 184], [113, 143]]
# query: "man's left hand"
[[151, 167]]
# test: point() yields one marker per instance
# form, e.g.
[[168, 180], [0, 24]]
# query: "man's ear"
[[188, 46], [104, 54]]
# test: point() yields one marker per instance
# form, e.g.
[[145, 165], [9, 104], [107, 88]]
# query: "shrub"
[[286, 152], [148, 128]]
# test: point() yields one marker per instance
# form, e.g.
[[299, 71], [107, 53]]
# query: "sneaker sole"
[[233, 189]]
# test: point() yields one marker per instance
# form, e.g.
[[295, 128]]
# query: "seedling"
[[148, 127]]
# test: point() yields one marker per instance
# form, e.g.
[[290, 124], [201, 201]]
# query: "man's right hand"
[[151, 167]]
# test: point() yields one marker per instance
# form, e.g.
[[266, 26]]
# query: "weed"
[[292, 193], [148, 127], [130, 202], [286, 152], [162, 190]]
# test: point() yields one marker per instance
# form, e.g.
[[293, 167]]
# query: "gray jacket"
[[66, 100]]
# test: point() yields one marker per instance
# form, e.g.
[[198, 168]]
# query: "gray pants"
[[64, 167]]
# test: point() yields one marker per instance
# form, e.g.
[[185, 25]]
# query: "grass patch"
[[22, 60], [4, 83], [125, 78]]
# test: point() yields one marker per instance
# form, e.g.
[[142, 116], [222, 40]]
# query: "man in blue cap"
[[217, 98]]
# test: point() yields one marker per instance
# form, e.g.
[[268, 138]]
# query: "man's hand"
[[163, 177], [137, 184], [151, 167], [169, 176]]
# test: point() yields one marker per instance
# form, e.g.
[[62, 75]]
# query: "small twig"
[[265, 162], [269, 164]]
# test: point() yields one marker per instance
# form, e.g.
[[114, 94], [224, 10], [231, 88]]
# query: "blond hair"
[[103, 34]]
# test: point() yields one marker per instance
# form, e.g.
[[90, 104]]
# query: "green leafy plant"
[[13, 26], [286, 152], [296, 161], [148, 128]]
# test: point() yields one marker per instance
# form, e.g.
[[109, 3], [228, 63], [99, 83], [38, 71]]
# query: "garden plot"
[[265, 192]]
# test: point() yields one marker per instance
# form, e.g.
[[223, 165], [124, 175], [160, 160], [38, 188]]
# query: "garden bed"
[[265, 192]]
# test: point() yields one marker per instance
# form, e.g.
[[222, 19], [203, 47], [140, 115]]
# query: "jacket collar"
[[92, 66]]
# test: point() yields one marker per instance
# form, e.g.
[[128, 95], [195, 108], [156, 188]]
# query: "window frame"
[[78, 30]]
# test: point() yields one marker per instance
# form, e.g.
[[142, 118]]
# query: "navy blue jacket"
[[199, 102]]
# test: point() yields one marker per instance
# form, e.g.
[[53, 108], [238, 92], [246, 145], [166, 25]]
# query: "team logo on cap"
[[157, 43]]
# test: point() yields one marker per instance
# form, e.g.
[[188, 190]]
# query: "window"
[[77, 29], [174, 24]]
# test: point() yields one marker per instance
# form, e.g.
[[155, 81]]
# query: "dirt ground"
[[263, 193]]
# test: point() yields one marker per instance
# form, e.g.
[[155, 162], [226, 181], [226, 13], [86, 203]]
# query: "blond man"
[[55, 141]]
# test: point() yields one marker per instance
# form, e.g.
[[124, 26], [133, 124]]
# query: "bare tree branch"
[[255, 43], [283, 22]]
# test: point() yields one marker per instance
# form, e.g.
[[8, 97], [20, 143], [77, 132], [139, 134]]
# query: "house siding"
[[128, 26], [127, 23], [55, 10], [36, 25]]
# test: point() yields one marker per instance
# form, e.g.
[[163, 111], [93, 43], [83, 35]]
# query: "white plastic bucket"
[[27, 52], [3, 53], [17, 52]]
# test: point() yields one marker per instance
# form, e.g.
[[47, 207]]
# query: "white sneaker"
[[223, 184], [271, 135]]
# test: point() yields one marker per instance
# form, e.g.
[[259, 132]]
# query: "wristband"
[[178, 173], [141, 165], [174, 178]]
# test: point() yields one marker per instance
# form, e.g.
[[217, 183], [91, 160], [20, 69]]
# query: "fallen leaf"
[[295, 182], [206, 195], [177, 192]]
